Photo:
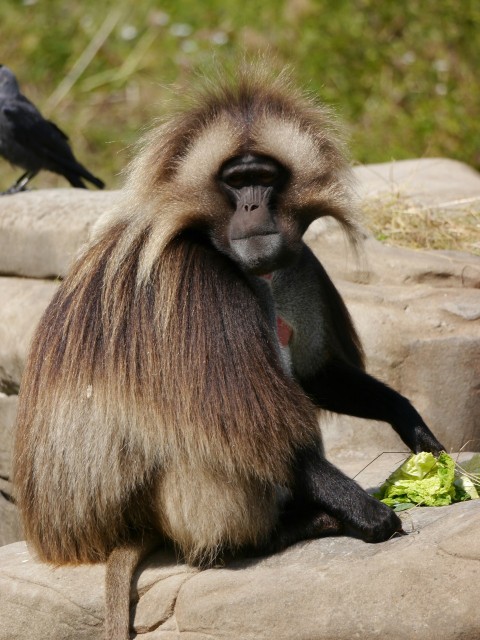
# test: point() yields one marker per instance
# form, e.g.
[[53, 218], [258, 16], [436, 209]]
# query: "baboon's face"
[[258, 234]]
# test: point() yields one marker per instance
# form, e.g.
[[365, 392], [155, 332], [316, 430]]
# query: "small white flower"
[[219, 37], [441, 65], [408, 58], [189, 46], [181, 30], [128, 32], [159, 18]]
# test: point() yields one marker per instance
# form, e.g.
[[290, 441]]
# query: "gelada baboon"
[[159, 398]]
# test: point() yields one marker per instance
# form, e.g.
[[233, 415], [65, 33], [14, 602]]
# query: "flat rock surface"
[[423, 586], [41, 231], [10, 529], [22, 302], [438, 182], [8, 410]]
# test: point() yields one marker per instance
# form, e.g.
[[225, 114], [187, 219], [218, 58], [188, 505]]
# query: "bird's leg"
[[20, 184]]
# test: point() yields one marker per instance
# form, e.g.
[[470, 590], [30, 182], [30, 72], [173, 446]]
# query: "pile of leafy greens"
[[429, 481]]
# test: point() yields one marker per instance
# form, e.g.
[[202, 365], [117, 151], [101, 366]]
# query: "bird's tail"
[[77, 172]]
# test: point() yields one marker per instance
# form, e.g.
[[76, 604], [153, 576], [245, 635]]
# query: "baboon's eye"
[[265, 178], [247, 178], [236, 180], [251, 170]]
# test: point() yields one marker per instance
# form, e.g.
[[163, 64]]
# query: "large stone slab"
[[41, 231], [8, 409], [376, 263], [433, 182], [10, 529], [422, 586], [22, 302], [10, 525], [404, 589]]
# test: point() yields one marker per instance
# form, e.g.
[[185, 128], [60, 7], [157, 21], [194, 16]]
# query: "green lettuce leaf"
[[423, 480]]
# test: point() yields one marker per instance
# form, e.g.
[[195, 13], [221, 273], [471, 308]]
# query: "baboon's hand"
[[376, 522], [424, 440]]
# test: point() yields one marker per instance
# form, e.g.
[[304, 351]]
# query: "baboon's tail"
[[121, 565]]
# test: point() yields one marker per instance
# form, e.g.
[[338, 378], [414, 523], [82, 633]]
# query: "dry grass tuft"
[[398, 220]]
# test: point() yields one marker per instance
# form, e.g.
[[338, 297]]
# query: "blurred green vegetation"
[[403, 75]]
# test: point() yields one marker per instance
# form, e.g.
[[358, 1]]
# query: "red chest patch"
[[284, 332]]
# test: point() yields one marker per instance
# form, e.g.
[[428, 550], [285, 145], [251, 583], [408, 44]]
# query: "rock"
[[421, 586], [434, 182], [445, 187], [41, 231], [22, 302], [10, 525], [8, 409], [67, 600], [342, 589], [10, 528], [377, 263]]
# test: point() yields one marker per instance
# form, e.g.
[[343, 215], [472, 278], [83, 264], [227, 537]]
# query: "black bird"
[[30, 141]]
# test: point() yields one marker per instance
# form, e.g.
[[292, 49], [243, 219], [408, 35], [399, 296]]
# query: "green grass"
[[403, 75]]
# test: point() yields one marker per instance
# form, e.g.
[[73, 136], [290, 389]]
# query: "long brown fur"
[[130, 381], [154, 398]]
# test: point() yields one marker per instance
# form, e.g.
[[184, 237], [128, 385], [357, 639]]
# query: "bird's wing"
[[34, 132], [44, 140]]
